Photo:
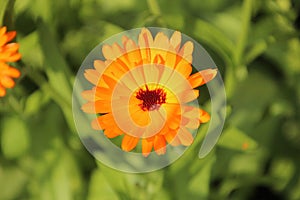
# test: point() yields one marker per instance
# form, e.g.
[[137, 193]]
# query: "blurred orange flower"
[[8, 53], [142, 90]]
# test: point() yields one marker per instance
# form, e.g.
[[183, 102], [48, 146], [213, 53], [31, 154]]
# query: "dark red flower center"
[[151, 99]]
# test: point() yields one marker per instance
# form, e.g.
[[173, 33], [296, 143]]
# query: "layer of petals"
[[129, 142]]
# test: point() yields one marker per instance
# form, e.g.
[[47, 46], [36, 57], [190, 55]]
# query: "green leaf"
[[12, 182], [235, 139], [58, 72], [199, 183], [56, 67], [35, 102], [100, 188], [213, 37], [15, 139], [28, 45]]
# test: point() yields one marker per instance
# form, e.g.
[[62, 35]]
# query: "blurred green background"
[[256, 45]]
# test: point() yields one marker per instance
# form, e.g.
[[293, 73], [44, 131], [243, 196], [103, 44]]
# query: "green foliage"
[[254, 43]]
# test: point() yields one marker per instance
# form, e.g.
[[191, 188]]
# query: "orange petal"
[[112, 52], [7, 82], [174, 122], [185, 136], [14, 57], [13, 72], [186, 51], [11, 47], [111, 133], [132, 50], [92, 76], [145, 38], [139, 116], [96, 124], [109, 81], [100, 66], [103, 93], [129, 142], [171, 138], [202, 77], [147, 145], [3, 40], [10, 35], [105, 122], [161, 41], [100, 106], [88, 95], [204, 116], [2, 30], [184, 68], [192, 123], [188, 95], [159, 144], [175, 40], [170, 60]]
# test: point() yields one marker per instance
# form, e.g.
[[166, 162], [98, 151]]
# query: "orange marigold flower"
[[142, 90], [8, 53]]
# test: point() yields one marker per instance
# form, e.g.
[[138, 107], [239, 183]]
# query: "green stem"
[[39, 80], [154, 7], [65, 105]]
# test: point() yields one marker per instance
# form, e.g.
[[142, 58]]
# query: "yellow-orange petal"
[[111, 82], [100, 66], [192, 123], [185, 136], [92, 76], [170, 59], [175, 40], [129, 142], [161, 42], [112, 52], [100, 106], [145, 39], [11, 47], [3, 40], [105, 122], [184, 68], [174, 122], [2, 30], [7, 82], [12, 57], [96, 124], [147, 145], [171, 138], [204, 116], [160, 144], [202, 77], [88, 95], [111, 133], [188, 95], [10, 35], [13, 72], [186, 51], [140, 117]]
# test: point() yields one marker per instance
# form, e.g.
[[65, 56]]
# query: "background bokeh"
[[255, 44]]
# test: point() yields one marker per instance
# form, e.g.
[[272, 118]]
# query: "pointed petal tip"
[[208, 74]]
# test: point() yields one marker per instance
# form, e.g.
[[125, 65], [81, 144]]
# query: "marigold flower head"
[[8, 53], [142, 91]]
